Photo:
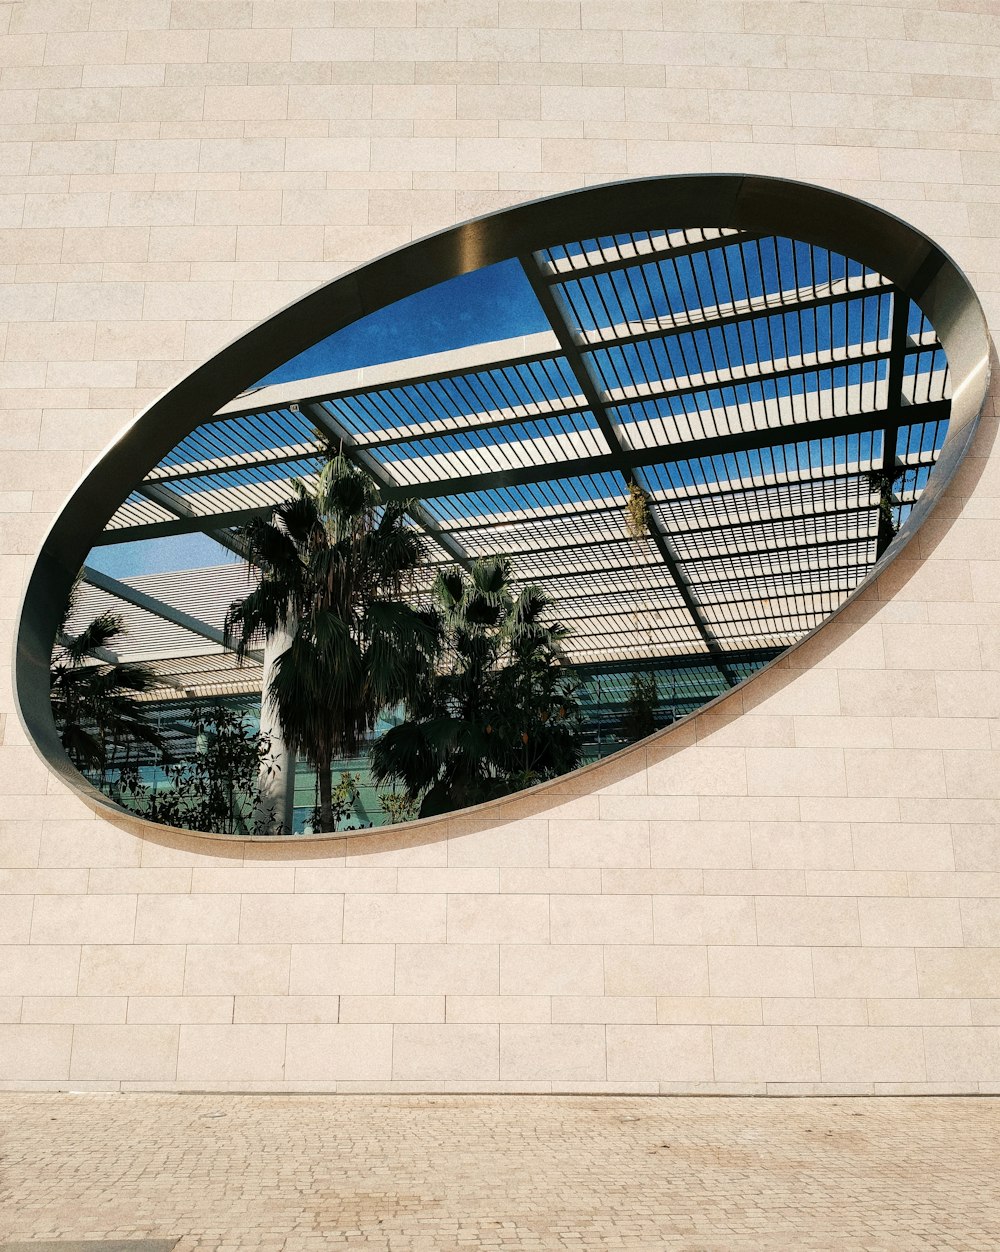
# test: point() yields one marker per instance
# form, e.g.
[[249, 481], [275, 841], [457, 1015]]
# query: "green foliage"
[[637, 511], [883, 481], [334, 563], [95, 701], [500, 713], [398, 806], [640, 714], [343, 797], [218, 789]]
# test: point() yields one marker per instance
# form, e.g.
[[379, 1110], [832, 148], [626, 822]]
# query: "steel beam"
[[177, 505], [211, 525], [366, 389], [747, 380], [159, 608], [716, 445], [719, 445], [720, 320], [554, 277], [265, 459], [568, 343], [742, 656], [774, 550], [359, 457], [894, 403]]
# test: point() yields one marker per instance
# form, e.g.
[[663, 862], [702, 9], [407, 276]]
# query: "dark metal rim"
[[909, 259]]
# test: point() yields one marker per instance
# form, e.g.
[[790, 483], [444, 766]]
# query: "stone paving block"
[[146, 1172]]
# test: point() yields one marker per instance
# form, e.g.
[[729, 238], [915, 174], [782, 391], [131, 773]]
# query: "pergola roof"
[[774, 401], [172, 624]]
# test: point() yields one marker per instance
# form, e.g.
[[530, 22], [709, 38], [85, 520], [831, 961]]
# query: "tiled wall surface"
[[798, 891]]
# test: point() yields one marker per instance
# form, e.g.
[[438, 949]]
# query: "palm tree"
[[333, 564], [94, 696], [502, 714]]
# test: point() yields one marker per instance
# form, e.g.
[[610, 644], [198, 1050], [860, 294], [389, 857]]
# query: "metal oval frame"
[[817, 215]]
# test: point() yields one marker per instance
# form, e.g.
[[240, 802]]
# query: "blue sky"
[[158, 556], [492, 303], [495, 302]]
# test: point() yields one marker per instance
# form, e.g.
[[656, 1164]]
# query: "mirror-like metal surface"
[[772, 370]]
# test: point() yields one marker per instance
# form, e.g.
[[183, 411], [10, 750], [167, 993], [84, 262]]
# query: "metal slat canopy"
[[748, 381], [756, 392]]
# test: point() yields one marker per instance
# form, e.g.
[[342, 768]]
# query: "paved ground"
[[303, 1173]]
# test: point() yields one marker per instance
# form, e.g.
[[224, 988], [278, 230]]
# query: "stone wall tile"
[[291, 919], [720, 844], [681, 1054], [959, 971], [594, 1010], [916, 923], [557, 970], [604, 843], [349, 1052], [29, 1050], [566, 1053], [187, 919], [453, 968], [765, 1054], [600, 919], [500, 1009], [392, 919], [39, 970], [83, 919], [236, 969], [342, 969], [787, 884], [808, 920], [453, 1051], [389, 1009], [178, 1010], [872, 1054], [762, 971], [214, 1054], [498, 919], [134, 1053], [662, 971], [956, 1054], [698, 919]]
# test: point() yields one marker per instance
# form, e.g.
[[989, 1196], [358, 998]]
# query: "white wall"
[[799, 891]]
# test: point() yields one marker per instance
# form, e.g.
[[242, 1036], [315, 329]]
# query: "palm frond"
[[404, 755], [491, 575], [449, 587], [402, 645], [343, 491], [96, 635], [270, 548], [317, 690], [300, 518], [270, 607], [83, 748]]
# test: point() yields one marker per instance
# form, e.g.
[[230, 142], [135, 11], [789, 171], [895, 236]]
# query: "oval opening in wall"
[[496, 505]]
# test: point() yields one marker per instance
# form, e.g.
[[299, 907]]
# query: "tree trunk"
[[275, 796], [326, 822]]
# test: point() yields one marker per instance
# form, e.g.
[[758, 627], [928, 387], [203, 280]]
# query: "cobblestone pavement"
[[303, 1173]]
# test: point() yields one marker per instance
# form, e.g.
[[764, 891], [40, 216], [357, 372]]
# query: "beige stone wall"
[[797, 891]]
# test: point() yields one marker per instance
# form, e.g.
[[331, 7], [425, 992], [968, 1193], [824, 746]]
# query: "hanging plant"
[[637, 511], [883, 481]]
